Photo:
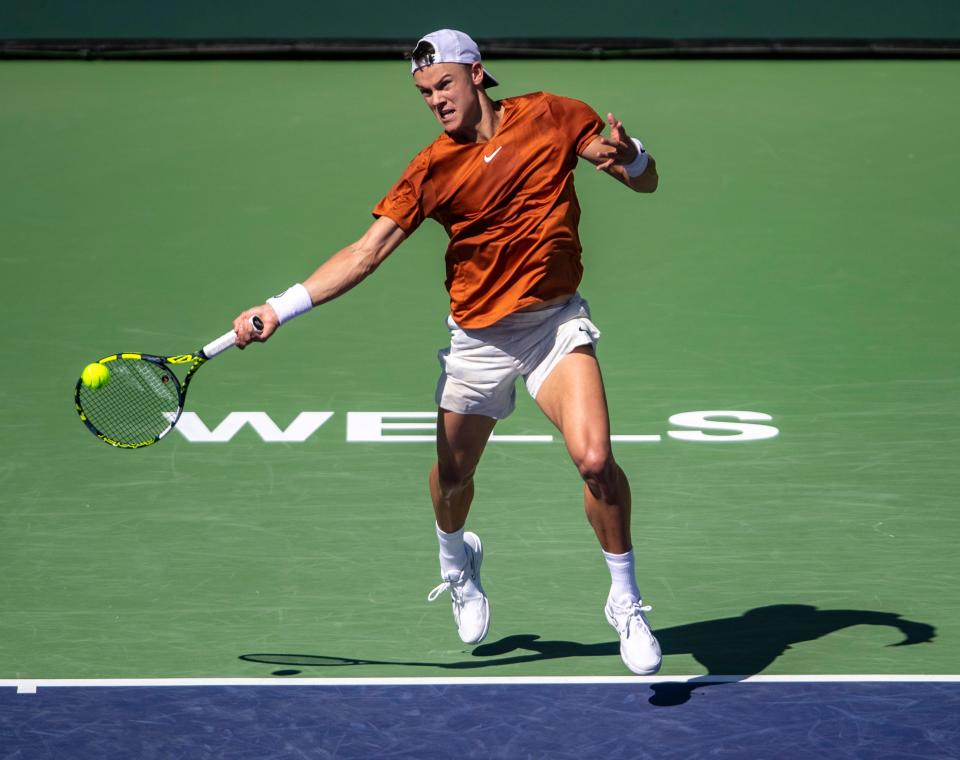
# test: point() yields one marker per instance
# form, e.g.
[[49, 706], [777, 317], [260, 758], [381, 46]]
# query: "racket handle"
[[228, 340]]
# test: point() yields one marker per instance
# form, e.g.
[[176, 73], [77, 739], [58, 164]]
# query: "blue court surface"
[[911, 717]]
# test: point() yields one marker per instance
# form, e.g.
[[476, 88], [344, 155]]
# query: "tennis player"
[[499, 178]]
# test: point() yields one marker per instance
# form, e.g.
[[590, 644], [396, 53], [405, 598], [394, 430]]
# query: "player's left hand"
[[618, 148]]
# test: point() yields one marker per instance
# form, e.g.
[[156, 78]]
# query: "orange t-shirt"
[[508, 206]]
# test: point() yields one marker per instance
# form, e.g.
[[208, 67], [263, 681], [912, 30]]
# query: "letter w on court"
[[303, 426]]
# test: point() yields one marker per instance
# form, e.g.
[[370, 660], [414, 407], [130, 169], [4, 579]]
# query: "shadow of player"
[[744, 645], [739, 646], [749, 644]]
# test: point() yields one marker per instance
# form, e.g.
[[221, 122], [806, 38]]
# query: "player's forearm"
[[351, 265], [643, 183], [341, 272], [334, 277], [648, 181]]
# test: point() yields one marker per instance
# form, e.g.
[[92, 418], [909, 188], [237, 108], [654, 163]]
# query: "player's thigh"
[[572, 397], [461, 439]]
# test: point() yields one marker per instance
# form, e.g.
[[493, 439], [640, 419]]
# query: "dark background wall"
[[492, 19]]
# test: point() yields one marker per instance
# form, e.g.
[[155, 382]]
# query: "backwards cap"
[[450, 46]]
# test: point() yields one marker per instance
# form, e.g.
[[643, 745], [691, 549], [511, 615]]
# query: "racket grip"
[[229, 339]]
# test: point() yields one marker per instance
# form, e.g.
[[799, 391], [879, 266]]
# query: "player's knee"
[[595, 465]]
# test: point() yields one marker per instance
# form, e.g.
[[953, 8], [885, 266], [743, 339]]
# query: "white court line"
[[30, 686]]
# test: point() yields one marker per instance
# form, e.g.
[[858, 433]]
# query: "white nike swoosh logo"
[[490, 158]]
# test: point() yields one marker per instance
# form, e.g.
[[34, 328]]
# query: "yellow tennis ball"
[[95, 375]]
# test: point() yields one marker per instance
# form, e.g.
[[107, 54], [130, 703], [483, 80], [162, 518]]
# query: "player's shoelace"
[[455, 587], [634, 614]]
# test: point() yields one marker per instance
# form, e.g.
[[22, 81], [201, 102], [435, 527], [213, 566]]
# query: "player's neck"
[[489, 120], [483, 130]]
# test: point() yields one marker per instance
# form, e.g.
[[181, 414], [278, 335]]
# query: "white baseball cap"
[[451, 46]]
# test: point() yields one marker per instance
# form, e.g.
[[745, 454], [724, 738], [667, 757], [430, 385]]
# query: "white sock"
[[453, 555], [623, 584]]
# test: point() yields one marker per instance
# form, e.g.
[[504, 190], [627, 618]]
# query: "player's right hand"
[[243, 326]]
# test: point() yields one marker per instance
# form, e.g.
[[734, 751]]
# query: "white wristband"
[[291, 303], [639, 165]]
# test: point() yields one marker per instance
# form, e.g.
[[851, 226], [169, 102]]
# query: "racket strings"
[[137, 403]]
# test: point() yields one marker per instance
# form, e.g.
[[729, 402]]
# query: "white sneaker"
[[639, 649], [471, 610]]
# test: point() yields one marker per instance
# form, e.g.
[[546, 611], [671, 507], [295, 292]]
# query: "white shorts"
[[481, 366]]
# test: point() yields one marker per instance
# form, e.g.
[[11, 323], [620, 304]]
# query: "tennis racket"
[[141, 398]]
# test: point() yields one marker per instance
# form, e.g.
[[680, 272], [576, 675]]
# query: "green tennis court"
[[799, 260]]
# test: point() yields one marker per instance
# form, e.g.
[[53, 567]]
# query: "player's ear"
[[476, 73]]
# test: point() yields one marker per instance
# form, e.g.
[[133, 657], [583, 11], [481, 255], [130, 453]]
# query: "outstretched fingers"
[[618, 148], [611, 144], [607, 154], [617, 133]]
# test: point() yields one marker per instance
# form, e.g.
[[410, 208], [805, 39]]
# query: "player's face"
[[449, 90]]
